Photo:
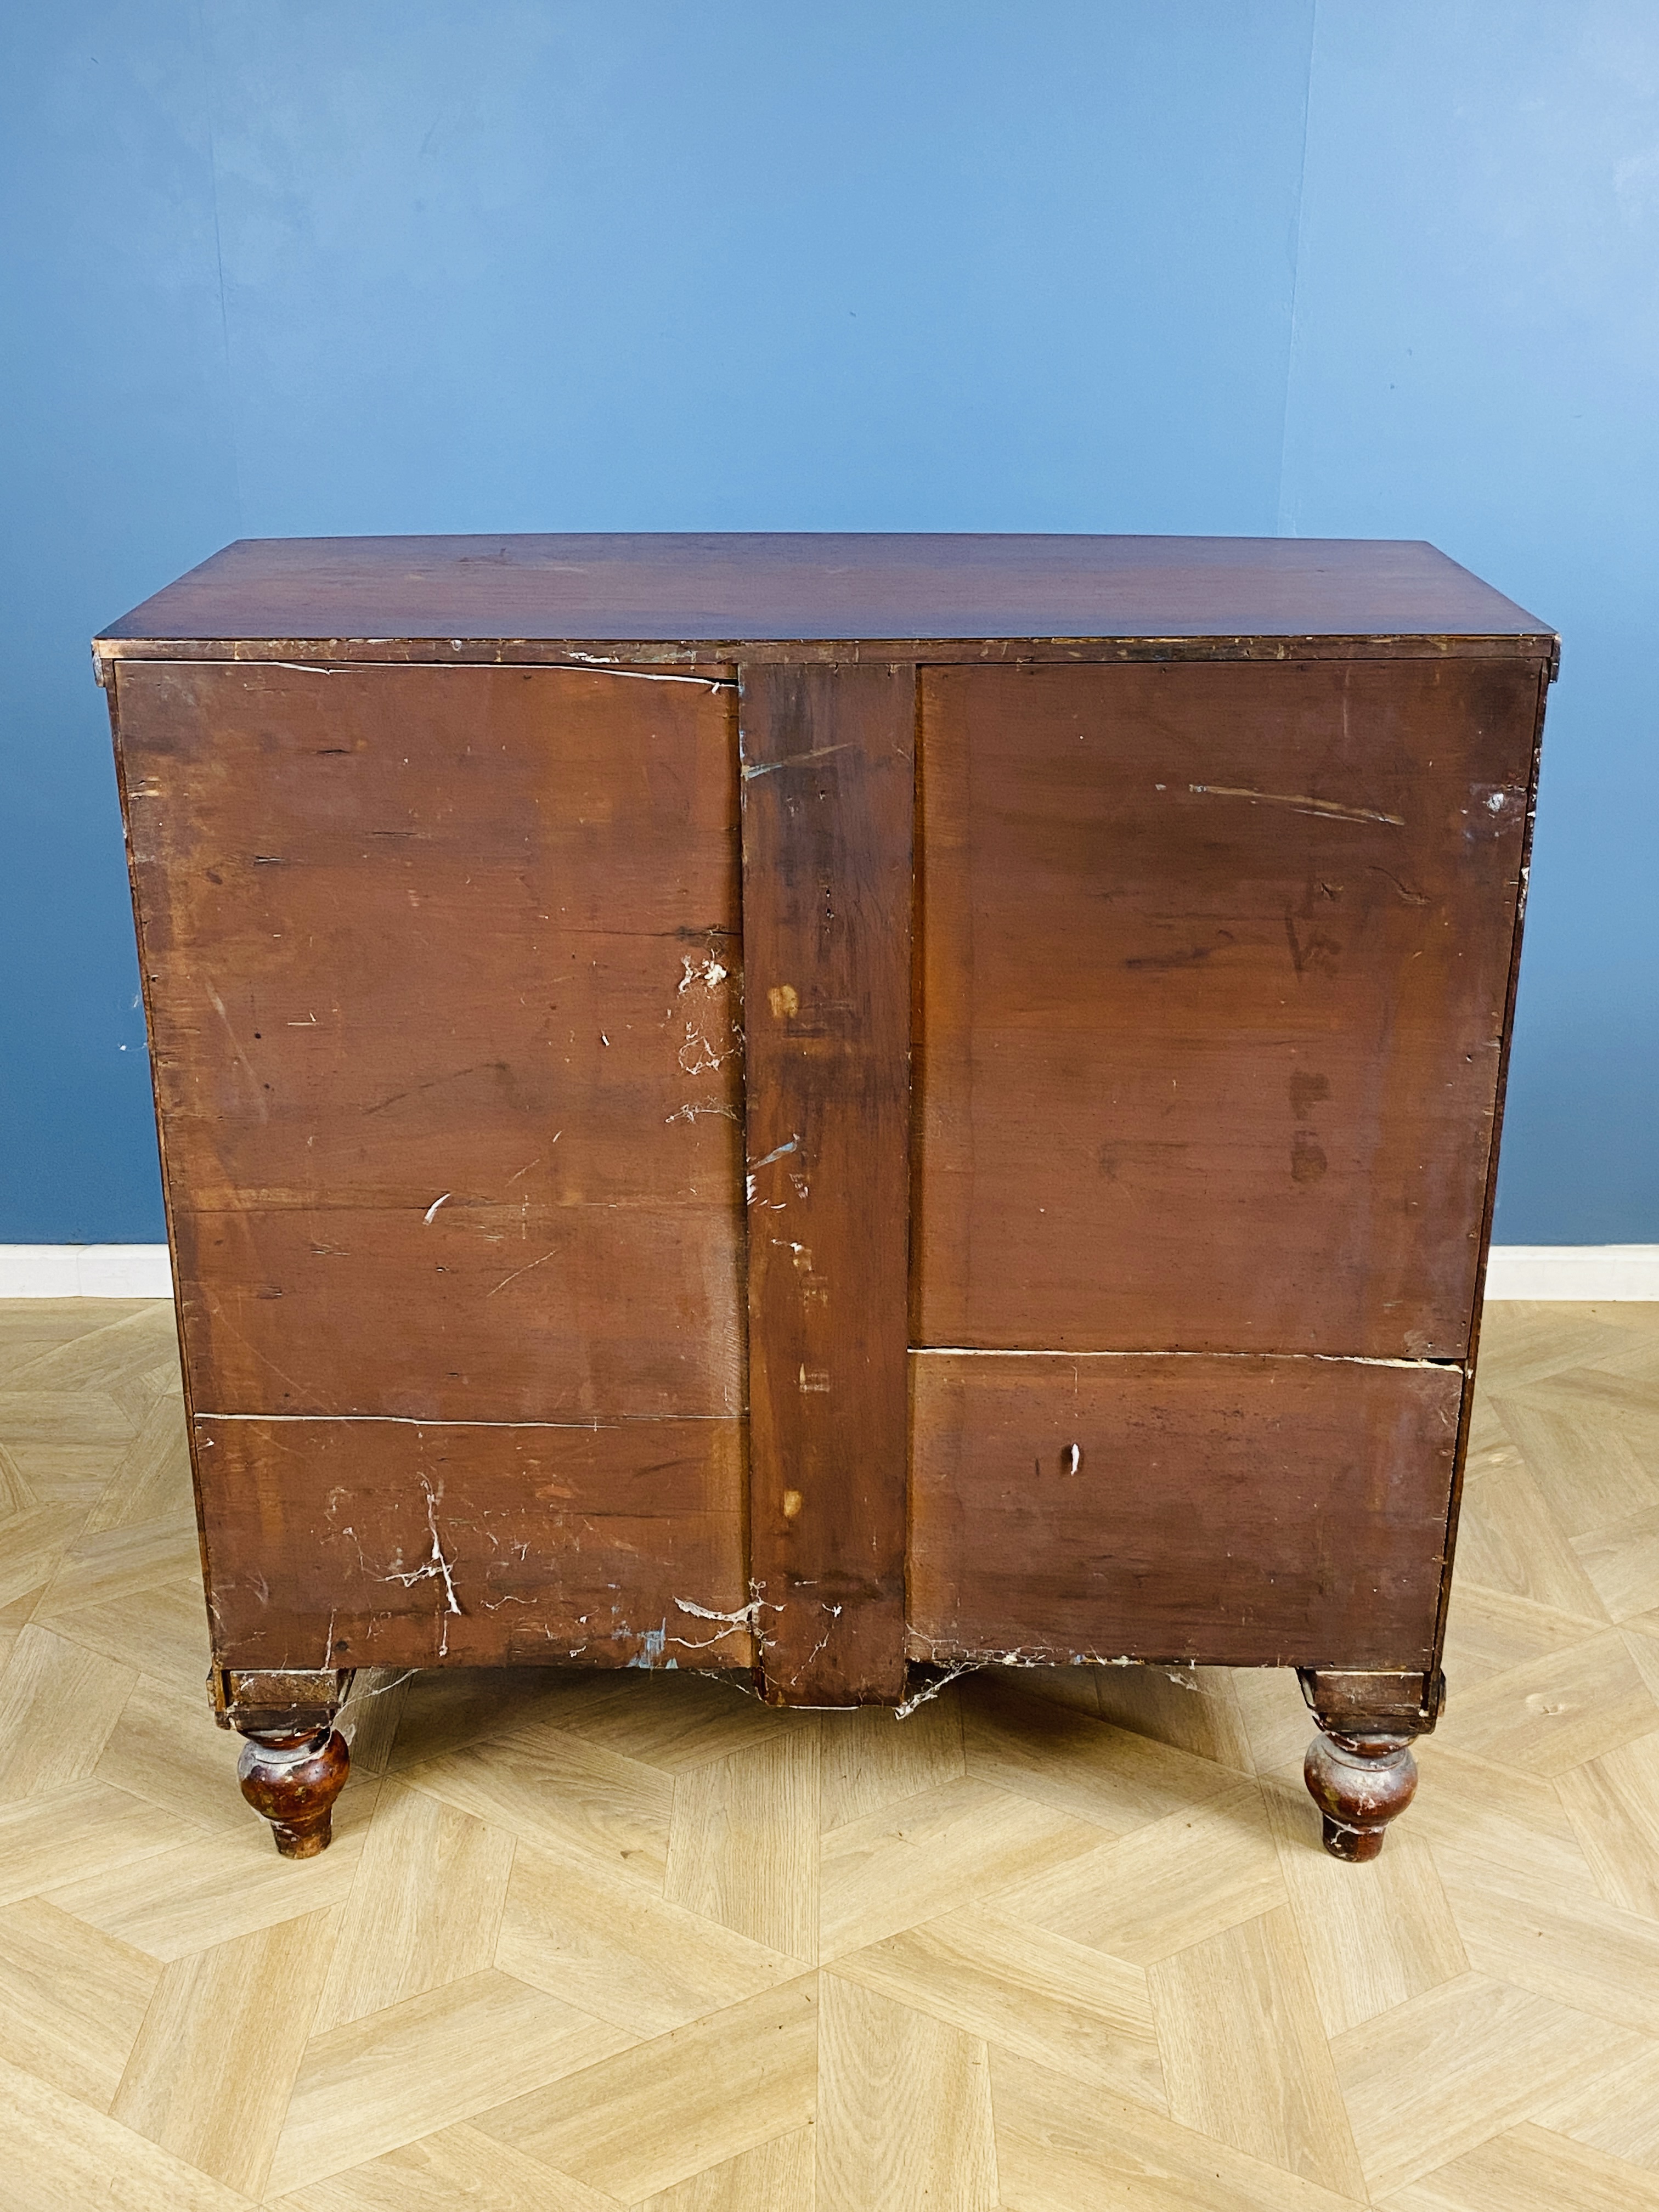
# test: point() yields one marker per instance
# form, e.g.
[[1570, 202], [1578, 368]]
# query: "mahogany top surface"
[[714, 588]]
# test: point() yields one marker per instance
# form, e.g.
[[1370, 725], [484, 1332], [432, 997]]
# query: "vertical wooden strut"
[[827, 820]]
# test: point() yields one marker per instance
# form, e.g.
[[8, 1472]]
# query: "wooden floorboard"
[[1061, 1942]]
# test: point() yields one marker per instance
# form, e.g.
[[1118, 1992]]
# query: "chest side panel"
[[1213, 969]]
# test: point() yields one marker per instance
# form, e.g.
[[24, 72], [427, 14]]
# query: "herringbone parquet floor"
[[1057, 1943]]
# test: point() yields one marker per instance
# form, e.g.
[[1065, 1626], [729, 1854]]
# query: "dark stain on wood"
[[828, 770]]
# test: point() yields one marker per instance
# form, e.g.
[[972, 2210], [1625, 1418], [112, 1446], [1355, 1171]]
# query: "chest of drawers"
[[831, 1107]]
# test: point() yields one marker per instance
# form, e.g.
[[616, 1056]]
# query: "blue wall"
[[278, 266]]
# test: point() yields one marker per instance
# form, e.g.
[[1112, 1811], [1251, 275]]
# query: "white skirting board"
[[1517, 1271], [85, 1271], [1573, 1271]]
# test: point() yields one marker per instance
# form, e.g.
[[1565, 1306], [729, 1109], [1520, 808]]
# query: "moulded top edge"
[[909, 593], [726, 652]]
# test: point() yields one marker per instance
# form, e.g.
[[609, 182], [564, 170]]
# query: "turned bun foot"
[[1359, 1784], [1359, 1768], [293, 1780]]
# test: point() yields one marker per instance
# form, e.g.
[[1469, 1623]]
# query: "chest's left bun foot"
[[294, 1763], [293, 1780]]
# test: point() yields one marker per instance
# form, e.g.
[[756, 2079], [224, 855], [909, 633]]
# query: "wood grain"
[[637, 2124], [444, 961], [1616, 2112], [746, 1846], [933, 1853], [441, 595], [59, 1706], [1058, 2151], [455, 2165], [438, 970], [366, 2088], [1529, 2169], [1024, 1989], [1170, 1883], [905, 2117], [1499, 1812], [87, 1833], [59, 2152], [1371, 1939], [609, 1944], [1026, 1909], [1247, 1509], [869, 1757], [1215, 971], [154, 1474], [393, 1543], [1510, 1541], [426, 1910], [72, 2001], [583, 1801], [121, 1561], [209, 2076], [1245, 2057], [207, 1891], [1196, 1709], [1559, 1710], [828, 808], [670, 1720], [1478, 2053], [1071, 1762], [1612, 1803], [771, 2176], [1570, 1945]]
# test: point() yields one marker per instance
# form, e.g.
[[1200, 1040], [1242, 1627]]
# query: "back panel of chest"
[[1213, 969], [443, 968]]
